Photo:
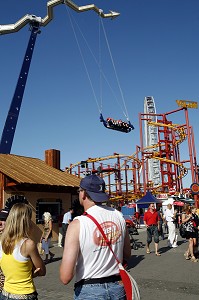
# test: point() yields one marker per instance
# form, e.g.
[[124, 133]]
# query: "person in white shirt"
[[170, 216], [67, 218], [86, 254]]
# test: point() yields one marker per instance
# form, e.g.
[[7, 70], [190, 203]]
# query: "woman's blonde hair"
[[18, 226]]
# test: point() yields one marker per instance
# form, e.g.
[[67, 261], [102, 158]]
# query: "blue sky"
[[155, 48]]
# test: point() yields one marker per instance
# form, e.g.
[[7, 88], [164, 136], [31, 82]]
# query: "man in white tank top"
[[86, 254]]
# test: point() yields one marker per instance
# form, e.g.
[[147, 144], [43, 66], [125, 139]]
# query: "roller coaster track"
[[182, 136], [183, 170], [10, 28], [153, 155], [97, 159], [129, 158], [177, 128], [131, 195], [91, 160]]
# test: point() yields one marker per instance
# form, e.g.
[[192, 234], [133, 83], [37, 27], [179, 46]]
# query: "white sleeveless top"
[[17, 251], [95, 258]]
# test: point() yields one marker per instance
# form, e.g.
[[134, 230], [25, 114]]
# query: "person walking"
[[86, 254], [161, 221], [46, 236], [60, 220], [151, 221], [195, 220], [19, 257], [137, 219], [67, 218], [188, 221], [170, 217]]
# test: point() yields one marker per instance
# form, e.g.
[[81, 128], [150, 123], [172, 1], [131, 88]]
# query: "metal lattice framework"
[[128, 177]]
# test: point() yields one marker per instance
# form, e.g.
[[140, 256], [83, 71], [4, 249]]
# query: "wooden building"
[[42, 183]]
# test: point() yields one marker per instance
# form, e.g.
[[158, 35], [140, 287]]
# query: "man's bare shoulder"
[[73, 226]]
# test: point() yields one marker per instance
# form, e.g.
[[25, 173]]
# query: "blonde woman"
[[19, 257], [46, 235]]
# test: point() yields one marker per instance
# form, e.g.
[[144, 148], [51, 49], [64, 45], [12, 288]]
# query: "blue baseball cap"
[[95, 187]]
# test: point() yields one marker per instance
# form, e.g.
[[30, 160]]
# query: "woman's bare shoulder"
[[29, 243], [27, 247]]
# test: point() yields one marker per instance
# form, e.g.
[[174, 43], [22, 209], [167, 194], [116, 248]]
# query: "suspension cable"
[[96, 61], [72, 19], [81, 54], [121, 92]]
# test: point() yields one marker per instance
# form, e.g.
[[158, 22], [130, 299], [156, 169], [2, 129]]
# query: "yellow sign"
[[187, 103]]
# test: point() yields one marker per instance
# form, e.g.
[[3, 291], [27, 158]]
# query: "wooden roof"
[[27, 170]]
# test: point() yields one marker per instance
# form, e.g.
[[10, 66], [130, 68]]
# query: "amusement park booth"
[[146, 200]]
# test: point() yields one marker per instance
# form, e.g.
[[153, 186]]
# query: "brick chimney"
[[52, 158]]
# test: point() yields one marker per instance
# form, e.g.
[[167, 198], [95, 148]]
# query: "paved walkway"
[[166, 277]]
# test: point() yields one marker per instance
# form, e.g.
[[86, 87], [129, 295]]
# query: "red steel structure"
[[170, 137], [127, 176]]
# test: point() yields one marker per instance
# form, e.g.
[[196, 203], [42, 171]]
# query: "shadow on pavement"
[[52, 260], [135, 260], [166, 248]]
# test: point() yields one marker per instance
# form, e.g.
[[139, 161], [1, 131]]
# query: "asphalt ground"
[[164, 277]]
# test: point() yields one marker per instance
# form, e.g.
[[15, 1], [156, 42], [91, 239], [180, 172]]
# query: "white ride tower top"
[[151, 138], [10, 28]]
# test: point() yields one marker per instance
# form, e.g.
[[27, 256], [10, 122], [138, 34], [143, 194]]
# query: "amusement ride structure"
[[35, 25], [156, 165]]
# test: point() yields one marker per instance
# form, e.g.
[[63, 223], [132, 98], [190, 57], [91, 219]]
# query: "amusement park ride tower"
[[151, 141], [163, 139]]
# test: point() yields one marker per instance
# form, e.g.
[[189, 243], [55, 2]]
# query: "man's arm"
[[145, 220], [158, 221], [70, 254]]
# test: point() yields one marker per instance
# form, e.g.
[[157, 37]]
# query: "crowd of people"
[[86, 253], [154, 220]]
